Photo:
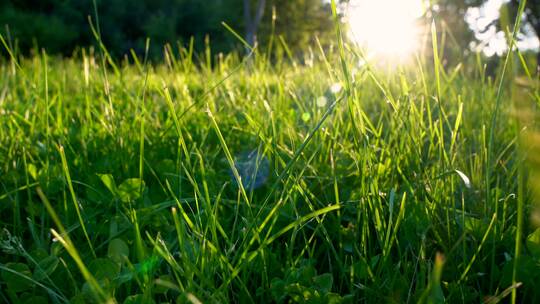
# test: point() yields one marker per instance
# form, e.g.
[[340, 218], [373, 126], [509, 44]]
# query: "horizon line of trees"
[[61, 26]]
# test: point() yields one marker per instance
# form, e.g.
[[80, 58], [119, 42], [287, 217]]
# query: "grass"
[[237, 182]]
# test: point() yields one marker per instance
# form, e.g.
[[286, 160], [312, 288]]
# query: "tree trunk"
[[252, 22], [537, 29], [538, 62], [247, 22]]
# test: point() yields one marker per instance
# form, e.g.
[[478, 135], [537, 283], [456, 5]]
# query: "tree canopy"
[[453, 12], [60, 26]]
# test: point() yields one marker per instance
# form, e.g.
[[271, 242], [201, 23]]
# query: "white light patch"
[[386, 27]]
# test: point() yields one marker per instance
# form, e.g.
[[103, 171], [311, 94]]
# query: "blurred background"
[[384, 26]]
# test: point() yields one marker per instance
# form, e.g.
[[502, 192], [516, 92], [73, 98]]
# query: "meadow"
[[255, 179]]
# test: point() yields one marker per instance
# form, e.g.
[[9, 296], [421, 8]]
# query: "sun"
[[387, 28]]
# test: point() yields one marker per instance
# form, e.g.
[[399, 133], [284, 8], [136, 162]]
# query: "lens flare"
[[386, 28]]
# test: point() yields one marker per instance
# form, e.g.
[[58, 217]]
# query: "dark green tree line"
[[60, 26]]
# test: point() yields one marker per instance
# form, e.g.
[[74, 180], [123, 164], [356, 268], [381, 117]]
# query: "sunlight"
[[387, 28]]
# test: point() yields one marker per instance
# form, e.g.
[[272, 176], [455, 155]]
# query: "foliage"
[[450, 18], [299, 23], [452, 14], [62, 26]]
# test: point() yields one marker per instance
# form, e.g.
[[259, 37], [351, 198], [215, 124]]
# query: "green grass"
[[124, 185]]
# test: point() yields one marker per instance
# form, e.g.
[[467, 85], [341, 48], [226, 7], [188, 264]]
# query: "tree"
[[252, 21], [532, 18], [299, 22], [450, 15], [453, 13], [61, 26]]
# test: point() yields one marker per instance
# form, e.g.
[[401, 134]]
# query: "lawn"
[[226, 179]]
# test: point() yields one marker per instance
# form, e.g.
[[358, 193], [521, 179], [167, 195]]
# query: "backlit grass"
[[257, 180]]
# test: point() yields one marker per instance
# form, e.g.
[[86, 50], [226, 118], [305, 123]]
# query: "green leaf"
[[13, 277], [323, 282], [475, 226], [108, 181], [130, 189], [361, 269], [118, 250], [533, 243], [32, 170], [103, 269], [39, 254], [374, 260], [277, 289], [45, 267]]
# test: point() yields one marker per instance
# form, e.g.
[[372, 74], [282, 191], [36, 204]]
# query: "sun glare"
[[386, 28]]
